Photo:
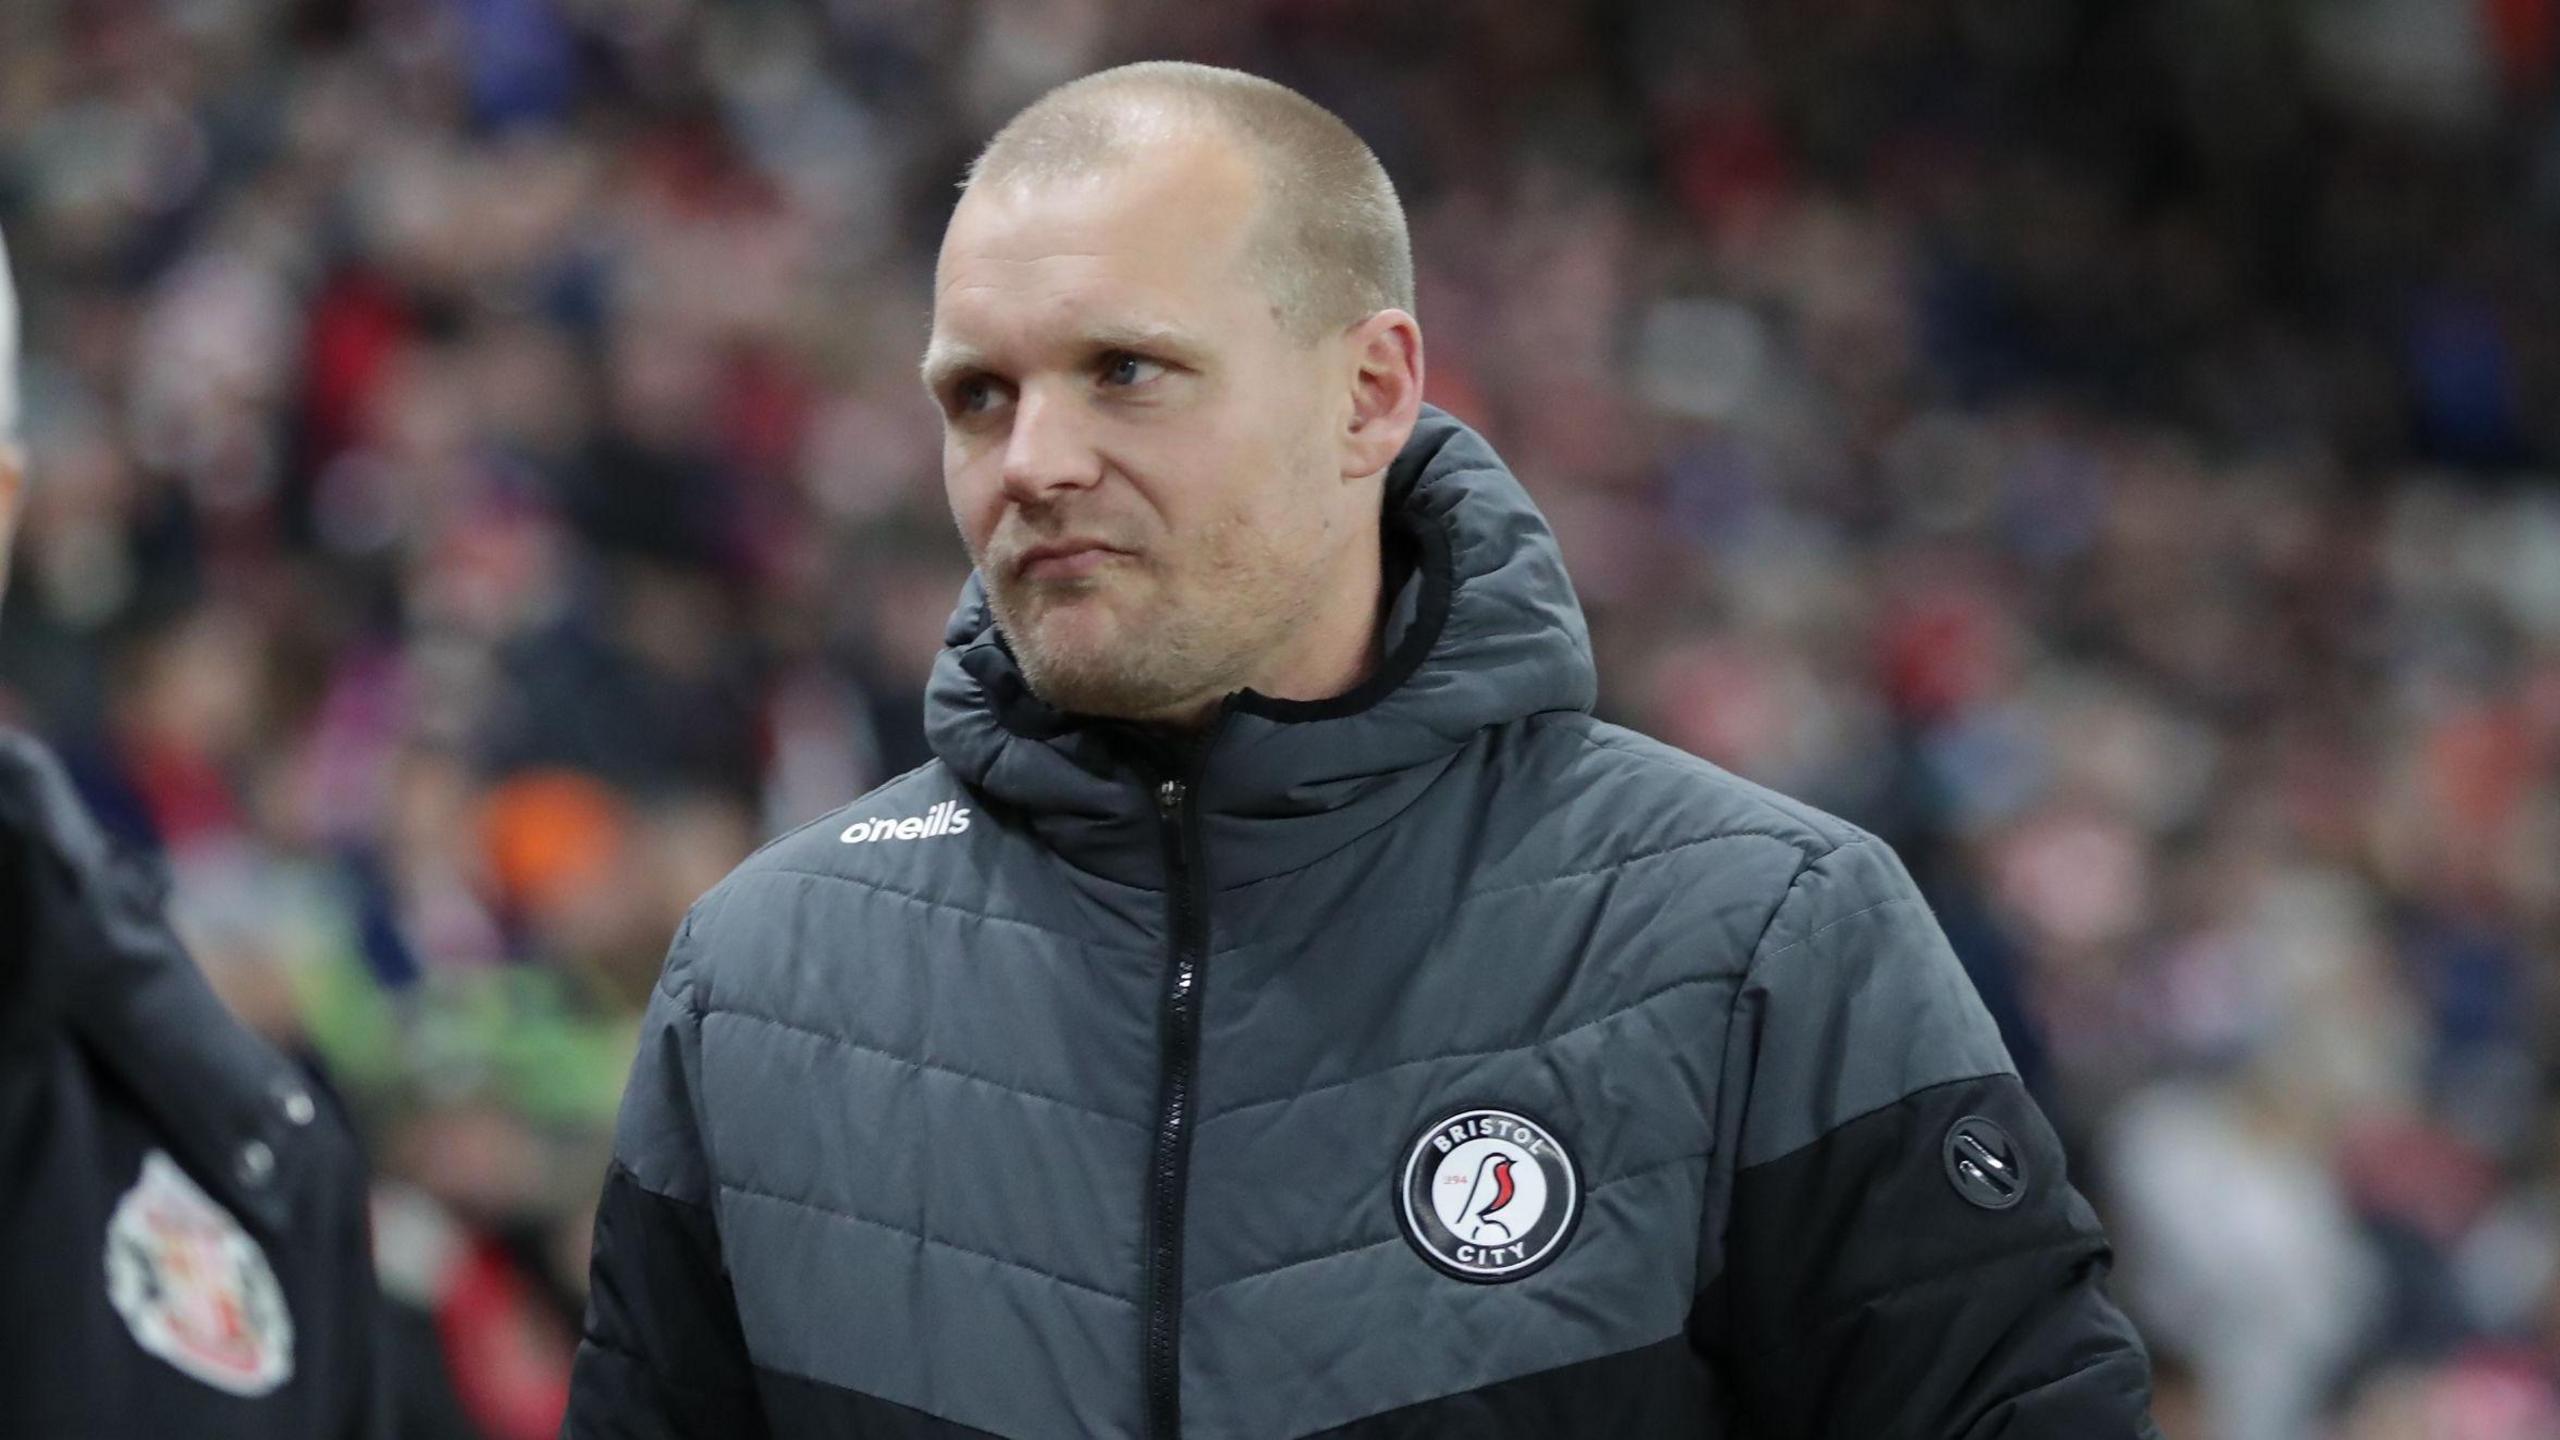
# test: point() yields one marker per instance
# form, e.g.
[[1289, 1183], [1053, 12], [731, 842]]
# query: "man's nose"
[[1049, 449]]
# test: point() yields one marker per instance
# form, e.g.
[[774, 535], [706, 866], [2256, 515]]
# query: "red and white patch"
[[193, 1287]]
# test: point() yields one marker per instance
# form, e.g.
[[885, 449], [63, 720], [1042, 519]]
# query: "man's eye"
[[972, 395], [1125, 369]]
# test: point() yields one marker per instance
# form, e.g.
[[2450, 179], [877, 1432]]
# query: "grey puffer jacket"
[[1431, 1061]]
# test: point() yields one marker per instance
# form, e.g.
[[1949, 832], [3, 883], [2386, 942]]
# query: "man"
[[182, 1226], [1282, 1009]]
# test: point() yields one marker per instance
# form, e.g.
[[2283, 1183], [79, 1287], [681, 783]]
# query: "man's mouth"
[[1064, 560]]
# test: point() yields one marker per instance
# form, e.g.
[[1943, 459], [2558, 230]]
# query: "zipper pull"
[[1169, 798]]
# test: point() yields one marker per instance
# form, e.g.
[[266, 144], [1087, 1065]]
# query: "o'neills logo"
[[948, 818], [1488, 1195]]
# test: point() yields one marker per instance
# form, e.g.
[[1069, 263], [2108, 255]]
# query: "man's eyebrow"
[[943, 362], [1143, 336]]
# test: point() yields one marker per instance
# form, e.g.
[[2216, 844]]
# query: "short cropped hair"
[[1330, 243]]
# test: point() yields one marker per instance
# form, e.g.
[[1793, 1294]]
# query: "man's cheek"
[[976, 496]]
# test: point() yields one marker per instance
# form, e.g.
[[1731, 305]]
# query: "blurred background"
[[482, 489]]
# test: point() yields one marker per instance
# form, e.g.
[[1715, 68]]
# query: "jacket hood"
[[1482, 628]]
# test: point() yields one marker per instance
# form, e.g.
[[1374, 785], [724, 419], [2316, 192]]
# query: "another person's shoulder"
[[37, 798], [160, 1048]]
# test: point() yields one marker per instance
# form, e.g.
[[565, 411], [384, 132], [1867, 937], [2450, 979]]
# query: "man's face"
[[1111, 375]]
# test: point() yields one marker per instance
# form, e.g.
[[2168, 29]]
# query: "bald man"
[[1281, 1009]]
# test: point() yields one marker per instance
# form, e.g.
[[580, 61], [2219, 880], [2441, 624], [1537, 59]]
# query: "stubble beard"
[[1158, 649]]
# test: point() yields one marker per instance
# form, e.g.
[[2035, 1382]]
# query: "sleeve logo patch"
[[1984, 1164], [1488, 1195], [193, 1287]]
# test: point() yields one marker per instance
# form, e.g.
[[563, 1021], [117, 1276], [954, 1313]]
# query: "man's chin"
[[1065, 653], [1096, 681], [1071, 637], [1079, 684]]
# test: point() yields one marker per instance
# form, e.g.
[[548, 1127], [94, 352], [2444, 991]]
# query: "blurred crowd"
[[481, 488]]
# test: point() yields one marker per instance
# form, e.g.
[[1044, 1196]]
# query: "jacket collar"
[[1482, 628], [231, 1109]]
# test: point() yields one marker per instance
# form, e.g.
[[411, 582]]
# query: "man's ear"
[[1386, 391]]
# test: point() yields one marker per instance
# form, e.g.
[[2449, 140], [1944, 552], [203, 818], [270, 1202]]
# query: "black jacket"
[[1436, 1060], [183, 1245]]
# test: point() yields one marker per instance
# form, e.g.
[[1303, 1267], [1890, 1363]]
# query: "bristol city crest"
[[192, 1285], [1488, 1195]]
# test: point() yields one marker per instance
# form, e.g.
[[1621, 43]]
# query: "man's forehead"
[[1083, 258], [1181, 210]]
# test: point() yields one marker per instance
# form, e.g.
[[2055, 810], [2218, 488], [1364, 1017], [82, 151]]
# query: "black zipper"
[[1187, 900]]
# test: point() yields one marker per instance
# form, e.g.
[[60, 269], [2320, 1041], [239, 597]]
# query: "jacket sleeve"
[[369, 1406], [663, 1355], [34, 980], [30, 994], [1902, 1254]]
